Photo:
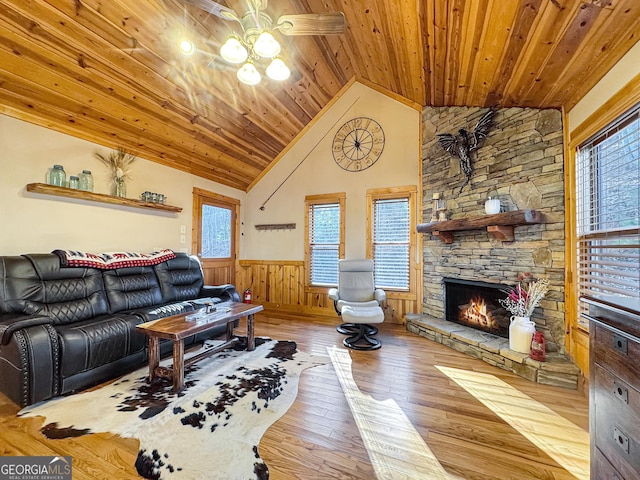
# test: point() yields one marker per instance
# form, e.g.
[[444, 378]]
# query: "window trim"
[[598, 260], [620, 103], [324, 199], [200, 196], [410, 192]]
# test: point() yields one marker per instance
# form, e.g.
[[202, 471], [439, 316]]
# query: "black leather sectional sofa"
[[66, 328]]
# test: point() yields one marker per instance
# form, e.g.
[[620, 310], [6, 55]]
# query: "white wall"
[[319, 174], [33, 223], [621, 74]]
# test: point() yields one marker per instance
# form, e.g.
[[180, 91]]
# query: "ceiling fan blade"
[[312, 24], [215, 8]]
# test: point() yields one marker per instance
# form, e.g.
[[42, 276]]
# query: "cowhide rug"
[[209, 430]]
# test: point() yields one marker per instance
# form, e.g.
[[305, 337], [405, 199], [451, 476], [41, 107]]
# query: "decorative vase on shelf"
[[119, 187]]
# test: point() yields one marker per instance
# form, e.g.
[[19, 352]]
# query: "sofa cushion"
[[131, 288], [180, 278], [37, 285], [99, 341]]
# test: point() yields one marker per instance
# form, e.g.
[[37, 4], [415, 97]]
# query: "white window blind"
[[324, 243], [390, 237], [608, 210]]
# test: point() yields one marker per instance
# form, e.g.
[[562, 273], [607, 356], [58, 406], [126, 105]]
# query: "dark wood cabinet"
[[614, 389]]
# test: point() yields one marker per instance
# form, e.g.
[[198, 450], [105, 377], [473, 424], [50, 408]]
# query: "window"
[[608, 210], [325, 238], [392, 238], [216, 232]]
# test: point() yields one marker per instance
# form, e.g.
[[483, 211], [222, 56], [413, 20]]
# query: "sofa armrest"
[[379, 295], [30, 360], [11, 322], [333, 294], [225, 293]]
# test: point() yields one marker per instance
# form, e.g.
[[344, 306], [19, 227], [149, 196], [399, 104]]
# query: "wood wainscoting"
[[280, 286]]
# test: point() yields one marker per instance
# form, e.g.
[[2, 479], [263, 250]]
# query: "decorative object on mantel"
[[119, 162], [492, 203], [439, 211], [500, 225], [520, 302], [276, 226], [45, 189], [466, 142]]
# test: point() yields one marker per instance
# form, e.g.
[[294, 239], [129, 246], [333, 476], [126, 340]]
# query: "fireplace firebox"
[[475, 304]]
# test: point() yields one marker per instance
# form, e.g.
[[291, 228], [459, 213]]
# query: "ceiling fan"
[[257, 41]]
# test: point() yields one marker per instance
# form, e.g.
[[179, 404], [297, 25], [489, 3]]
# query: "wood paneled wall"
[[279, 285]]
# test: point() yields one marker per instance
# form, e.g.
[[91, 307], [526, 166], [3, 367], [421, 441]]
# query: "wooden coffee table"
[[177, 327]]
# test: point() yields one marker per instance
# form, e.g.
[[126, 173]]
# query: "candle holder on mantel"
[[439, 210]]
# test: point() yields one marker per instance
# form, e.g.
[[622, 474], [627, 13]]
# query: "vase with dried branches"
[[119, 163]]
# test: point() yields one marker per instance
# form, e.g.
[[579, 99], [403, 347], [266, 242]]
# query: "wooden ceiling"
[[109, 71]]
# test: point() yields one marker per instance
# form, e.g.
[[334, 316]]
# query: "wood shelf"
[[276, 226], [500, 225], [98, 197]]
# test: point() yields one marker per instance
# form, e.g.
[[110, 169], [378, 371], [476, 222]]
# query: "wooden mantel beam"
[[500, 225]]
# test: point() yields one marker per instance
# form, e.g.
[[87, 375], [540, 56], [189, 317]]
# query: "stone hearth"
[[557, 370]]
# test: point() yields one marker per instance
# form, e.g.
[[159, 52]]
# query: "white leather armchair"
[[358, 301]]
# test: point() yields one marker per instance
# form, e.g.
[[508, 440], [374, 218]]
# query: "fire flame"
[[475, 313]]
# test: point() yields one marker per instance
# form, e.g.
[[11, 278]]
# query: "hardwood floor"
[[412, 410]]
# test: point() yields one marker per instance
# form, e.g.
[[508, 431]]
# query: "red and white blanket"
[[111, 260]]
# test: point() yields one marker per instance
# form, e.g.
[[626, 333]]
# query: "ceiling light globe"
[[266, 46], [233, 51], [187, 47], [248, 74], [278, 70]]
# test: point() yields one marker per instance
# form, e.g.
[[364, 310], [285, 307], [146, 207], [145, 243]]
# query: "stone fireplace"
[[521, 163]]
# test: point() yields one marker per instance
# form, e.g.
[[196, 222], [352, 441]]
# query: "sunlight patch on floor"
[[563, 441], [396, 449]]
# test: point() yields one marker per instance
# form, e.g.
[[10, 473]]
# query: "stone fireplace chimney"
[[522, 161]]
